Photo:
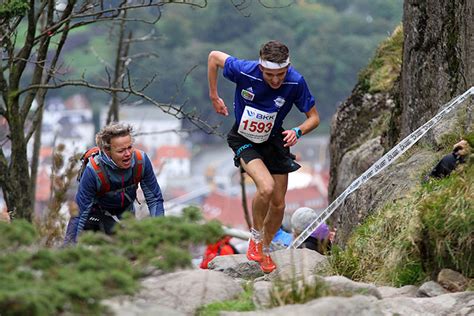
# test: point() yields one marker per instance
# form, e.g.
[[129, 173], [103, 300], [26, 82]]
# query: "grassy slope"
[[411, 240]]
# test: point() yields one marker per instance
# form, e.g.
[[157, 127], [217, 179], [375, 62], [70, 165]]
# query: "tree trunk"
[[19, 198]]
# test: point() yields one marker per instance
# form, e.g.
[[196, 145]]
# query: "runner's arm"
[[215, 61], [311, 122]]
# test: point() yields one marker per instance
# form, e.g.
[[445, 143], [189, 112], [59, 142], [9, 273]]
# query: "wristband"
[[298, 132]]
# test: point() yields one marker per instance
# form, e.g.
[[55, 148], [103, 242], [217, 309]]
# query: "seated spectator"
[[449, 162], [321, 239]]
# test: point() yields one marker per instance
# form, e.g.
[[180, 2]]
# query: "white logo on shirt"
[[279, 102]]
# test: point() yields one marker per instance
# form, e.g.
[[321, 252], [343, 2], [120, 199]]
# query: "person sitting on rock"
[[449, 162]]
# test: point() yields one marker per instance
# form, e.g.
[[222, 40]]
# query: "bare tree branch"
[[176, 111], [37, 119], [86, 15]]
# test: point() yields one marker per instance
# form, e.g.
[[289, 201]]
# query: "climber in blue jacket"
[[109, 182]]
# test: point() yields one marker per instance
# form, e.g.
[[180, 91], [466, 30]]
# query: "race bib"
[[256, 125]]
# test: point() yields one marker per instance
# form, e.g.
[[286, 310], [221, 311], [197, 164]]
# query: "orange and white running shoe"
[[267, 265], [254, 252]]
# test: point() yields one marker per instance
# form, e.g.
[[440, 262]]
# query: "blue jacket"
[[121, 195]]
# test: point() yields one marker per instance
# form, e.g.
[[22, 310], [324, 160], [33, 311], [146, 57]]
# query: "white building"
[[173, 161], [69, 122], [152, 126]]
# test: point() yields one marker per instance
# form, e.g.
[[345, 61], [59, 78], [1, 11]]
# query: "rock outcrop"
[[438, 57], [437, 65], [183, 292]]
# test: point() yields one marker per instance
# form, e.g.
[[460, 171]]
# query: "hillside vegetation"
[[46, 281], [412, 239]]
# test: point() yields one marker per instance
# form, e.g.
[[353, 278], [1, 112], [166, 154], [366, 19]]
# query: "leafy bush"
[[14, 236], [13, 8], [161, 241], [50, 281]]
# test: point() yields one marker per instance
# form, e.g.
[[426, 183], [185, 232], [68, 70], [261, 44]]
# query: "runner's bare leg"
[[276, 209], [265, 184]]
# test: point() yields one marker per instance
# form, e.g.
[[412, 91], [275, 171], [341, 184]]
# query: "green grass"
[[411, 240], [383, 70], [243, 303], [297, 292], [448, 219]]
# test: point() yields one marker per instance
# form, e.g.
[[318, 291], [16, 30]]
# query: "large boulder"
[[181, 292]]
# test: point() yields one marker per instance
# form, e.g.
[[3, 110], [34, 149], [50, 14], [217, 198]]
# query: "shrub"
[[74, 280]]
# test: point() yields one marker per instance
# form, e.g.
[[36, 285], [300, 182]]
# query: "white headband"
[[271, 65]]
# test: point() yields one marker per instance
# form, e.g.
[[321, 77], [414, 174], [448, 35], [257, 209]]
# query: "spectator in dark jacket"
[[449, 162]]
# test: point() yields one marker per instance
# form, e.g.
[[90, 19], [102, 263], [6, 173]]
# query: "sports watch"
[[298, 132]]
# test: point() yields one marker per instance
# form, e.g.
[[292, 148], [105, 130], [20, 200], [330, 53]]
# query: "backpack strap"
[[104, 180], [138, 168], [90, 153]]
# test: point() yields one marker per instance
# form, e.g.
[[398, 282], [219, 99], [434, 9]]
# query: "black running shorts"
[[274, 155]]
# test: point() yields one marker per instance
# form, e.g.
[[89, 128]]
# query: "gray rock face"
[[404, 291], [182, 293], [343, 285], [354, 124], [448, 304], [392, 183], [438, 64], [296, 263], [356, 161], [236, 266], [261, 293], [331, 306], [430, 289], [438, 57], [293, 263]]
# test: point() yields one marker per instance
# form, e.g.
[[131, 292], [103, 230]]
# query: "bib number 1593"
[[259, 127], [256, 125]]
